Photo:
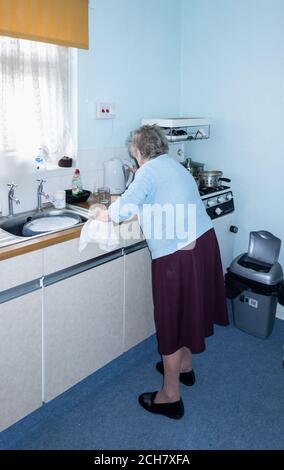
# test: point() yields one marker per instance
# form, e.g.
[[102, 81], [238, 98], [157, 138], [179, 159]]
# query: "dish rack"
[[182, 129]]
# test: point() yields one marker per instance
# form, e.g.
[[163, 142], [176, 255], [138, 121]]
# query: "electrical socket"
[[105, 110]]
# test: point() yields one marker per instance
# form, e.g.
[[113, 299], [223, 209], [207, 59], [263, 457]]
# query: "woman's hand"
[[99, 212], [133, 169]]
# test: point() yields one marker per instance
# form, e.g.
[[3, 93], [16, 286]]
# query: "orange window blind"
[[62, 22]]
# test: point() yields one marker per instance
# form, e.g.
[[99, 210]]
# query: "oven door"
[[225, 238]]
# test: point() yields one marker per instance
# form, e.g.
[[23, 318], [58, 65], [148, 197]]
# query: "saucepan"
[[211, 178], [194, 167]]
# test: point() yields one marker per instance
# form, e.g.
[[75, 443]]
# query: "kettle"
[[115, 175]]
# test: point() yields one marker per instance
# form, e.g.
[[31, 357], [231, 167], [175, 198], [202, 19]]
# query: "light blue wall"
[[233, 71], [134, 61]]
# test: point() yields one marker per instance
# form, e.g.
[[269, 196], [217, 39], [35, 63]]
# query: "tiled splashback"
[[90, 163]]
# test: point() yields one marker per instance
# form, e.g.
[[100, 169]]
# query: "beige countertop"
[[37, 243], [21, 248]]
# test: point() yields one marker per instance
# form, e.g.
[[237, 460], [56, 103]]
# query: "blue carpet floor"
[[236, 403]]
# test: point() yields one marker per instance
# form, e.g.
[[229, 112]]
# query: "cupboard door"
[[139, 320], [20, 269], [83, 325], [20, 357]]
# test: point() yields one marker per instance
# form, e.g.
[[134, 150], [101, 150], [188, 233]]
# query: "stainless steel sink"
[[20, 225]]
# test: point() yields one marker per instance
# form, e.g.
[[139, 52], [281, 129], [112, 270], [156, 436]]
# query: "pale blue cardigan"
[[166, 199]]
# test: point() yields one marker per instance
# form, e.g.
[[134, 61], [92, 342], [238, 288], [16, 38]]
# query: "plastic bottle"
[[77, 187], [40, 159]]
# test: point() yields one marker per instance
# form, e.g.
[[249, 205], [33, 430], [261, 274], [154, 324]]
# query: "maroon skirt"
[[189, 295]]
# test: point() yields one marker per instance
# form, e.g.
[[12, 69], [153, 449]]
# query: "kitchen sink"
[[34, 223]]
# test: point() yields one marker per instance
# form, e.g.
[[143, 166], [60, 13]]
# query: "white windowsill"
[[55, 170]]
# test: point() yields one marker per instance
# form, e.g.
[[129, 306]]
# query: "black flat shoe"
[[186, 378], [173, 410]]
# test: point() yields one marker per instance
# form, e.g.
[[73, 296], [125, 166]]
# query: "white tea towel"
[[102, 233]]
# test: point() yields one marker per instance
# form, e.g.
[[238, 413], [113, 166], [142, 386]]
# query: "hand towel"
[[102, 233]]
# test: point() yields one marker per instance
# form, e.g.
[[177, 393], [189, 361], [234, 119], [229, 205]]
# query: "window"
[[34, 98]]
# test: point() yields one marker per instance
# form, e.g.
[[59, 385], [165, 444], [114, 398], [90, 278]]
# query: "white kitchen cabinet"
[[83, 327], [139, 320], [20, 269], [20, 357], [93, 308], [65, 255], [130, 232]]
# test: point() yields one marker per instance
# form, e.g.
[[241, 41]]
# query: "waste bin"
[[253, 282]]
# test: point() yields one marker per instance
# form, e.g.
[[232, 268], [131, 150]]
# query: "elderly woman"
[[187, 279]]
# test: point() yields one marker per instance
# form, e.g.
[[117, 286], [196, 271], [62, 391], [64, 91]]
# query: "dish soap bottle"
[[77, 187]]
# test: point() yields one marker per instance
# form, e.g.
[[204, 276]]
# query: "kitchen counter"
[[22, 247]]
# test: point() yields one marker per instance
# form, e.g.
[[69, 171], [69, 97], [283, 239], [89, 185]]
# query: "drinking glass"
[[104, 196]]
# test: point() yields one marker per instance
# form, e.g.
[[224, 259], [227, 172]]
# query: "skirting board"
[[280, 312]]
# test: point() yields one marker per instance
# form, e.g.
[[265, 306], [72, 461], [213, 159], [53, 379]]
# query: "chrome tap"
[[11, 198], [40, 193]]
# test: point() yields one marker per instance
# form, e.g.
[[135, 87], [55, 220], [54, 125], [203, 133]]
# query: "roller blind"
[[62, 22]]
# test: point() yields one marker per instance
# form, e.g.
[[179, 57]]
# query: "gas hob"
[[204, 192]]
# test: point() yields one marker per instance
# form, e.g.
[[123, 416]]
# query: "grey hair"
[[151, 142]]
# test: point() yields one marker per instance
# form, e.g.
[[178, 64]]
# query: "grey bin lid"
[[264, 246], [257, 271]]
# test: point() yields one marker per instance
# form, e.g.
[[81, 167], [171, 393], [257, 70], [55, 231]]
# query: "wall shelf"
[[182, 129]]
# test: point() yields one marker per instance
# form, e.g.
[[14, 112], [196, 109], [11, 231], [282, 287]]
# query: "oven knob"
[[220, 199], [210, 203], [218, 211], [229, 196]]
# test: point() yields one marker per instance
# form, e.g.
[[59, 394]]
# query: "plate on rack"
[[174, 138]]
